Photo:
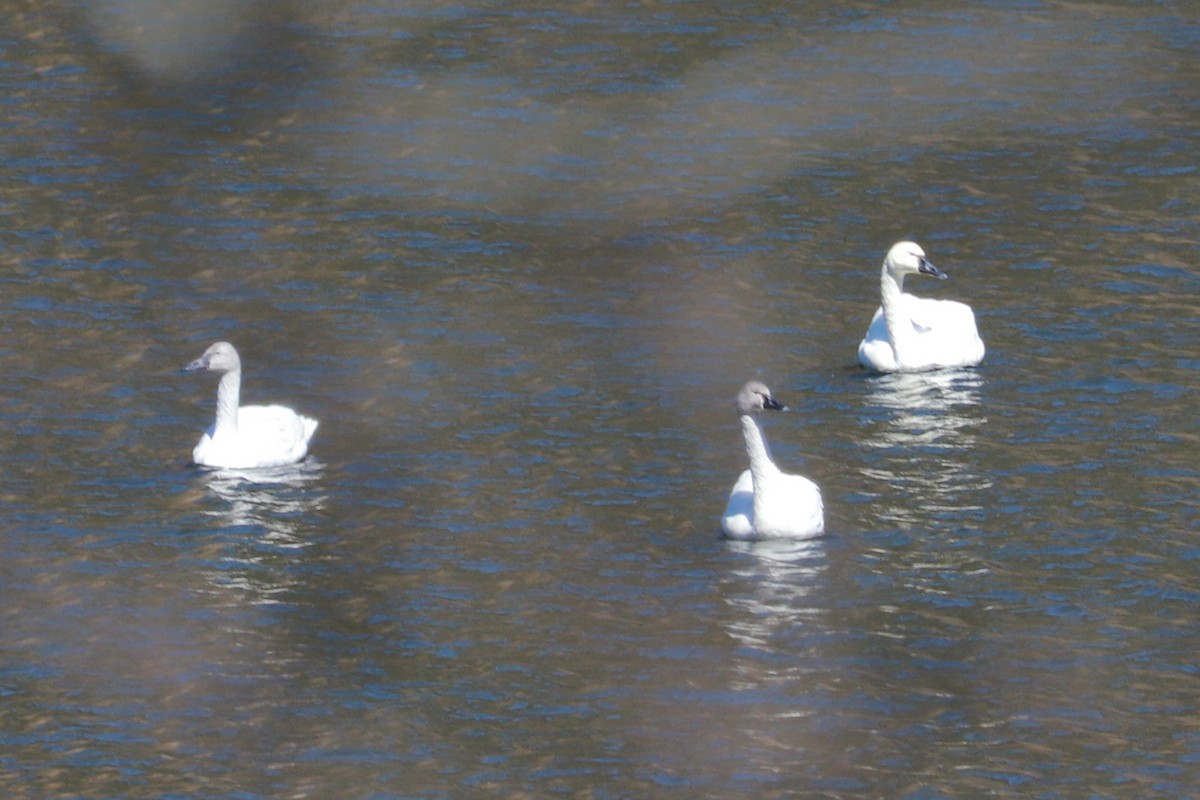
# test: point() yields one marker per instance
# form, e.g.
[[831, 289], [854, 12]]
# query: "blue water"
[[518, 261]]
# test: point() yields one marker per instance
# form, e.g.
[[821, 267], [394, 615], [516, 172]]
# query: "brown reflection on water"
[[437, 105]]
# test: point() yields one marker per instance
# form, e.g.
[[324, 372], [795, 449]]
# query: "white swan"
[[766, 503], [247, 436], [913, 334]]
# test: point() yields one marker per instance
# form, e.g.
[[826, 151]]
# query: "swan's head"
[[220, 357], [907, 258], [755, 396]]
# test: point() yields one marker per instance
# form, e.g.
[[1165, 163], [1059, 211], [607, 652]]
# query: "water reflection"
[[922, 440], [772, 599], [268, 509]]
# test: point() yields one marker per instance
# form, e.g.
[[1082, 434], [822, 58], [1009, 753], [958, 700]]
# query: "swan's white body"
[[247, 437], [914, 334], [765, 502]]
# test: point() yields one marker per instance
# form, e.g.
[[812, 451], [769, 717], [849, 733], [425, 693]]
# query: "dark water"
[[518, 259]]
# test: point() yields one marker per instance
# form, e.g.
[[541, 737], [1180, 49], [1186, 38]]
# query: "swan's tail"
[[310, 427]]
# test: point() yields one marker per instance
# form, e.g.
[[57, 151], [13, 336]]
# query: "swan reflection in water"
[[266, 511], [772, 594], [923, 431]]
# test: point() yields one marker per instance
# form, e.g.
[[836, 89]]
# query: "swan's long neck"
[[228, 398], [761, 465], [891, 287]]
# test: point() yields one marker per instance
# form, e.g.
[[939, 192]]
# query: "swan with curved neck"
[[244, 437], [767, 503], [914, 334]]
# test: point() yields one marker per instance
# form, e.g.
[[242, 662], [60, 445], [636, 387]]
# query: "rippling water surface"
[[518, 259]]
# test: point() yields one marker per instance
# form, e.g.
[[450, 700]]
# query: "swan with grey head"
[[767, 503], [247, 437]]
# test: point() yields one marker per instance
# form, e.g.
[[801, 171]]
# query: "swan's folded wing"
[[951, 338], [738, 520], [809, 506], [940, 315], [275, 431], [875, 350], [924, 314]]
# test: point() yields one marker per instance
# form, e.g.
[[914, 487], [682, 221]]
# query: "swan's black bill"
[[773, 404], [926, 267], [196, 366]]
